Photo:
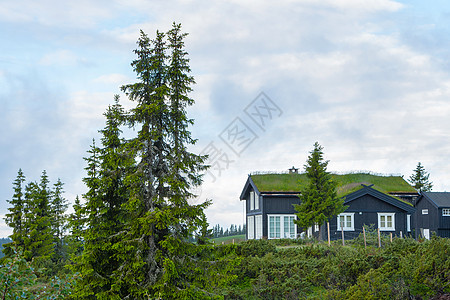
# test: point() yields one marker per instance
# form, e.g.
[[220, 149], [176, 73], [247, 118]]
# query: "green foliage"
[[318, 201], [420, 179], [20, 280], [403, 269]]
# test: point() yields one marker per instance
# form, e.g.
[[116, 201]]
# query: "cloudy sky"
[[368, 79]]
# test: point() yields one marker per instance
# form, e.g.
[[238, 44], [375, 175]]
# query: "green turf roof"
[[346, 184]]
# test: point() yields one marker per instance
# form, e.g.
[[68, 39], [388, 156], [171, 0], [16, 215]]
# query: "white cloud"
[[61, 58]]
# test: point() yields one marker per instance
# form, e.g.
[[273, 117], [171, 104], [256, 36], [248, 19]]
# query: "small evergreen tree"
[[16, 216], [318, 201], [419, 179], [58, 207]]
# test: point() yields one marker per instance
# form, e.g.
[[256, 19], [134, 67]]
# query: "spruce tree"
[[99, 263], [16, 216], [162, 219], [318, 201], [58, 207], [420, 179], [76, 226]]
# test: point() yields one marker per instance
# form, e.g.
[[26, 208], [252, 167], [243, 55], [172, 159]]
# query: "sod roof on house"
[[346, 183]]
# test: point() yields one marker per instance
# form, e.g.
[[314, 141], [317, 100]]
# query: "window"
[[252, 200], [250, 228], [282, 226], [408, 223], [424, 211], [345, 221], [258, 227], [446, 212], [256, 198], [386, 221], [289, 227]]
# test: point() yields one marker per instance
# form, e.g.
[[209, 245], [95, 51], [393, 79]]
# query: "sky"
[[367, 79]]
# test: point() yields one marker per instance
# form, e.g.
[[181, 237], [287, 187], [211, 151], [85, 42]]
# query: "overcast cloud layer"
[[368, 79]]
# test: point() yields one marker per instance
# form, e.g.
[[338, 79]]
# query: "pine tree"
[[76, 226], [58, 207], [16, 216], [38, 244], [318, 201], [162, 218], [419, 179], [106, 218]]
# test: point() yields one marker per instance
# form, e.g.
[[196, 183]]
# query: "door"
[[426, 233]]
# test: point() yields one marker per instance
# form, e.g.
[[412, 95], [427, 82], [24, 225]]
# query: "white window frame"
[[386, 228], [250, 228], [446, 212], [425, 211], [408, 223], [252, 200], [256, 199], [258, 227], [345, 227], [282, 233]]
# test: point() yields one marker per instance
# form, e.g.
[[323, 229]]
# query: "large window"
[[258, 227], [345, 221], [386, 221], [250, 228], [446, 212], [282, 226]]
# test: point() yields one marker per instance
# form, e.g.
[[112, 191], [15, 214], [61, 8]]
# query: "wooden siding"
[[430, 221], [366, 209]]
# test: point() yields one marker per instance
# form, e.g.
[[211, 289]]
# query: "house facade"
[[368, 206], [433, 214], [270, 213]]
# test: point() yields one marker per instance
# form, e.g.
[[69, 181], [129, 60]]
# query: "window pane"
[[349, 221], [389, 221], [382, 221]]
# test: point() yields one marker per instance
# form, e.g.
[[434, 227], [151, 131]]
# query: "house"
[[433, 214], [270, 213], [368, 206]]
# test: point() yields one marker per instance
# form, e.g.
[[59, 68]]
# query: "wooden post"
[[342, 231], [328, 229], [364, 234], [401, 234], [379, 238], [233, 241], [391, 237]]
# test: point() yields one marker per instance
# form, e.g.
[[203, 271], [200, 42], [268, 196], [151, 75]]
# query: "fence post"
[[364, 234], [401, 234], [342, 231], [379, 238], [328, 229], [391, 237], [233, 241]]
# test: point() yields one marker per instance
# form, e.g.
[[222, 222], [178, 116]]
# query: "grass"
[[346, 184]]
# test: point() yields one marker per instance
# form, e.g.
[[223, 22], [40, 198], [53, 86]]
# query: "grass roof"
[[346, 184]]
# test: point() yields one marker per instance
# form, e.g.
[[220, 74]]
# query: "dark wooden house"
[[270, 213], [433, 214], [368, 206]]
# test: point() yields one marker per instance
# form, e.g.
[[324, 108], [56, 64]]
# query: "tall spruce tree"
[[420, 179], [76, 225], [162, 218], [318, 201]]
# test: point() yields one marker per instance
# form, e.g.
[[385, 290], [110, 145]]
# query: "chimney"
[[293, 170]]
